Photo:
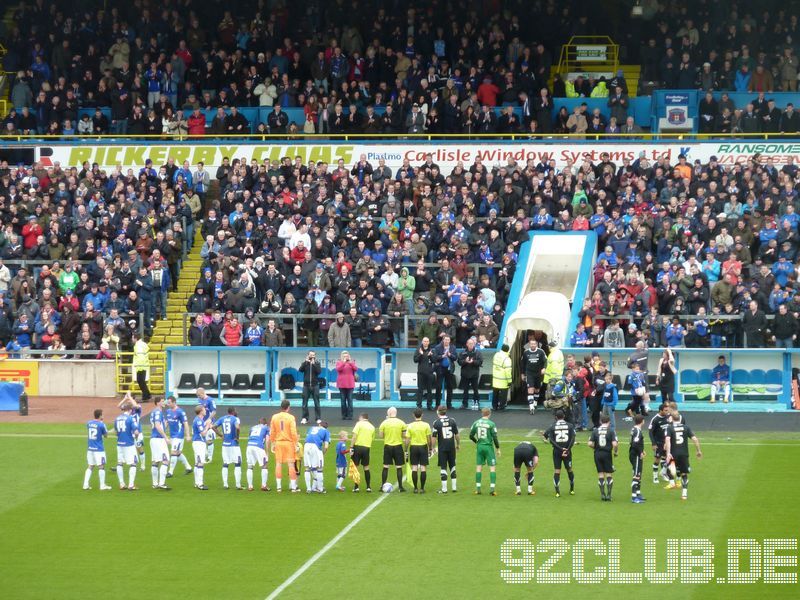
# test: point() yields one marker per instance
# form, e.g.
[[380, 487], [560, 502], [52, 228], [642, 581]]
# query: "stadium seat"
[[689, 377], [188, 381], [704, 376], [758, 377], [617, 380], [368, 375], [774, 377], [651, 379], [241, 382], [258, 382], [485, 381], [207, 381], [225, 381], [740, 377]]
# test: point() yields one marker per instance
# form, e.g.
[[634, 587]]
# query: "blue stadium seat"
[[740, 377], [689, 377], [368, 375], [758, 377], [774, 377], [704, 376]]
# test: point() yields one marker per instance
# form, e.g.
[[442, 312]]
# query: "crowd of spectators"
[[88, 257], [692, 255], [358, 67]]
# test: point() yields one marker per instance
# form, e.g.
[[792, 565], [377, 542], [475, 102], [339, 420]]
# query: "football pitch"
[[59, 541]]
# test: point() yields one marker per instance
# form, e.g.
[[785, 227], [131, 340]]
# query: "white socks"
[[131, 476], [309, 485], [249, 477], [101, 474], [237, 475], [225, 476], [87, 476], [154, 473], [198, 475], [162, 474], [173, 460], [264, 477]]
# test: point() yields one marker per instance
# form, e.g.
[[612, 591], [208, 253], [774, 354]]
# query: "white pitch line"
[[531, 433], [293, 577]]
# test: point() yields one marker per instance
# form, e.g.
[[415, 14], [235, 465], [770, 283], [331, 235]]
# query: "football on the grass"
[[387, 488]]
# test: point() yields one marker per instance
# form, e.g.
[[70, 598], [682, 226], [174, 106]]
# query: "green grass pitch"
[[58, 541]]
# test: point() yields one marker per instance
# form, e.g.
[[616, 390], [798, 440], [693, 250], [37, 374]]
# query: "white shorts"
[[231, 455], [312, 456], [139, 441], [256, 457], [199, 449], [127, 455], [158, 450], [176, 445], [95, 458]]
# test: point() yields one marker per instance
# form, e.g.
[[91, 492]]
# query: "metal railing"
[[296, 328], [390, 137], [126, 378]]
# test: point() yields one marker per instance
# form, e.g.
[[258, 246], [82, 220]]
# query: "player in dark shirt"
[[636, 455], [448, 442], [656, 430], [676, 447], [561, 436], [604, 441], [534, 361], [525, 454]]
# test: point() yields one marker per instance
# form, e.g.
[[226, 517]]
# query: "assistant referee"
[[363, 434], [392, 430], [419, 440]]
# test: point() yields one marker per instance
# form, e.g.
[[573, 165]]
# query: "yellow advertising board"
[[25, 371]]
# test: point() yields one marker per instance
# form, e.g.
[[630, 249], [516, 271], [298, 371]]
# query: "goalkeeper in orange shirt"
[[284, 443]]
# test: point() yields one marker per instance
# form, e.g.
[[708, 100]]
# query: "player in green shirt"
[[419, 444], [392, 430], [484, 434]]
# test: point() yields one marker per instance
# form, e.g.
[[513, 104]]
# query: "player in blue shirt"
[[228, 428], [257, 444], [96, 453], [127, 430], [159, 446], [341, 460], [207, 402], [178, 432], [136, 413], [721, 380], [637, 380], [200, 427], [318, 438]]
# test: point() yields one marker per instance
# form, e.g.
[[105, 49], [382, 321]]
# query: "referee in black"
[[525, 454]]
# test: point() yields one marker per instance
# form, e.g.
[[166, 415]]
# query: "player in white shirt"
[[96, 453], [257, 444]]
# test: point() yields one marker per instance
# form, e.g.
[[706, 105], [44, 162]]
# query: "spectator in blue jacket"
[[721, 381], [95, 297], [675, 333]]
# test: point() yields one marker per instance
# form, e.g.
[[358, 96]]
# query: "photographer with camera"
[[310, 370]]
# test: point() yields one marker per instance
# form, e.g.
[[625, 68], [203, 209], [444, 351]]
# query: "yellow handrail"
[[126, 379]]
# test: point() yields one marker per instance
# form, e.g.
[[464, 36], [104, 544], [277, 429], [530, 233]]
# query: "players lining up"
[[411, 443]]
